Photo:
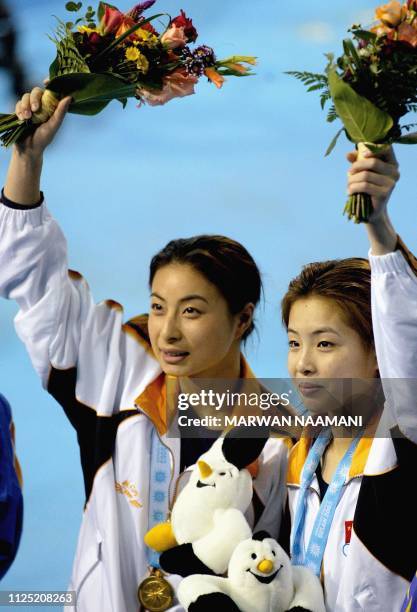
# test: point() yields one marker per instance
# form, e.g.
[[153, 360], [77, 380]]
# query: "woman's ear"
[[245, 318]]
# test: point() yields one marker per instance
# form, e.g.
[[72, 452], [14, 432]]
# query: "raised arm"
[[81, 350], [394, 292], [23, 177]]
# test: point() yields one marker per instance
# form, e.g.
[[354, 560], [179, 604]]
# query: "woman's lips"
[[173, 357], [309, 389]]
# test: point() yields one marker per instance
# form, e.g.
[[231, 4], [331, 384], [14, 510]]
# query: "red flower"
[[182, 21], [111, 20], [93, 43]]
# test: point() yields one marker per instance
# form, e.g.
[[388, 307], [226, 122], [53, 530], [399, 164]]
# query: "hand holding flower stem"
[[23, 177], [376, 175]]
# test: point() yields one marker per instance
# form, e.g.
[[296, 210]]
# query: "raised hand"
[[32, 105], [375, 174]]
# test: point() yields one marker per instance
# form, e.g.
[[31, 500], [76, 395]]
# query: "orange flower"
[[125, 25], [237, 67], [391, 14], [214, 77]]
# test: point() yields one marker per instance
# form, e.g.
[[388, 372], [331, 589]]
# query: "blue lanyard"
[[313, 557], [160, 474]]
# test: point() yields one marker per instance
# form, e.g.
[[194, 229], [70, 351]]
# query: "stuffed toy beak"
[[205, 469], [265, 566]]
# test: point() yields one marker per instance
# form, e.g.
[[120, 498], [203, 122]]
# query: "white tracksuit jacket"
[[103, 373]]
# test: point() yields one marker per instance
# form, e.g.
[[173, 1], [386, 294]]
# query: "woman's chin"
[[178, 369]]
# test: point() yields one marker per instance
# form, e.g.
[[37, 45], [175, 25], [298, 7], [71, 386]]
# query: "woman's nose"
[[171, 330], [305, 363]]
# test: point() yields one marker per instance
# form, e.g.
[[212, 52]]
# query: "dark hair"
[[223, 262], [347, 282]]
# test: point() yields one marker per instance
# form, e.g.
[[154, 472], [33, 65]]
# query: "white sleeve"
[[61, 326], [394, 315]]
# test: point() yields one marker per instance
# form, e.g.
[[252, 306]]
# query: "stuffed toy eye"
[[253, 555], [273, 552], [222, 473]]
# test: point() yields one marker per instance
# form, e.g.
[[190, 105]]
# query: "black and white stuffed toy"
[[260, 579], [207, 520]]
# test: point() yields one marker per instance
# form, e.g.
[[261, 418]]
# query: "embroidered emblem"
[[130, 491]]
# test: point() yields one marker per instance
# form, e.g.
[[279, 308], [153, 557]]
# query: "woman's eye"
[[293, 344], [325, 344], [191, 311], [156, 307]]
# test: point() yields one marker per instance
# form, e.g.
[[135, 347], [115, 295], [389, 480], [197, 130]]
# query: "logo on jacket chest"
[[129, 490]]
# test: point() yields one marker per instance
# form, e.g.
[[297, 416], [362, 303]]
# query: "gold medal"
[[155, 593]]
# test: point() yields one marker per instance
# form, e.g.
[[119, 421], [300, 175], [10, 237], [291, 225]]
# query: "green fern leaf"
[[68, 59]]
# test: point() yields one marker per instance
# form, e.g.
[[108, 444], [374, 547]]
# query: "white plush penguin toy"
[[207, 521], [260, 579]]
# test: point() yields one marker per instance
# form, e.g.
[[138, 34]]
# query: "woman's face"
[[191, 329], [323, 349]]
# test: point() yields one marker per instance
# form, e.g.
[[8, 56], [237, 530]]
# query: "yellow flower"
[[142, 63], [391, 14], [146, 38], [132, 54], [87, 30]]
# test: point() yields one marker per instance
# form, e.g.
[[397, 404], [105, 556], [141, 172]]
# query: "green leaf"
[[333, 142], [53, 68], [88, 108], [365, 35], [316, 87], [73, 7], [91, 92], [230, 72], [407, 139], [351, 52], [364, 122]]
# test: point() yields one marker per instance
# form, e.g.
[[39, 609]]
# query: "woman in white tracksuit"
[[111, 377], [358, 487]]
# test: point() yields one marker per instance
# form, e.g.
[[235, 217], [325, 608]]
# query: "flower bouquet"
[[372, 86], [108, 55]]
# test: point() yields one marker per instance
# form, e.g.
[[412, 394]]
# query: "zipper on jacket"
[[172, 462]]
